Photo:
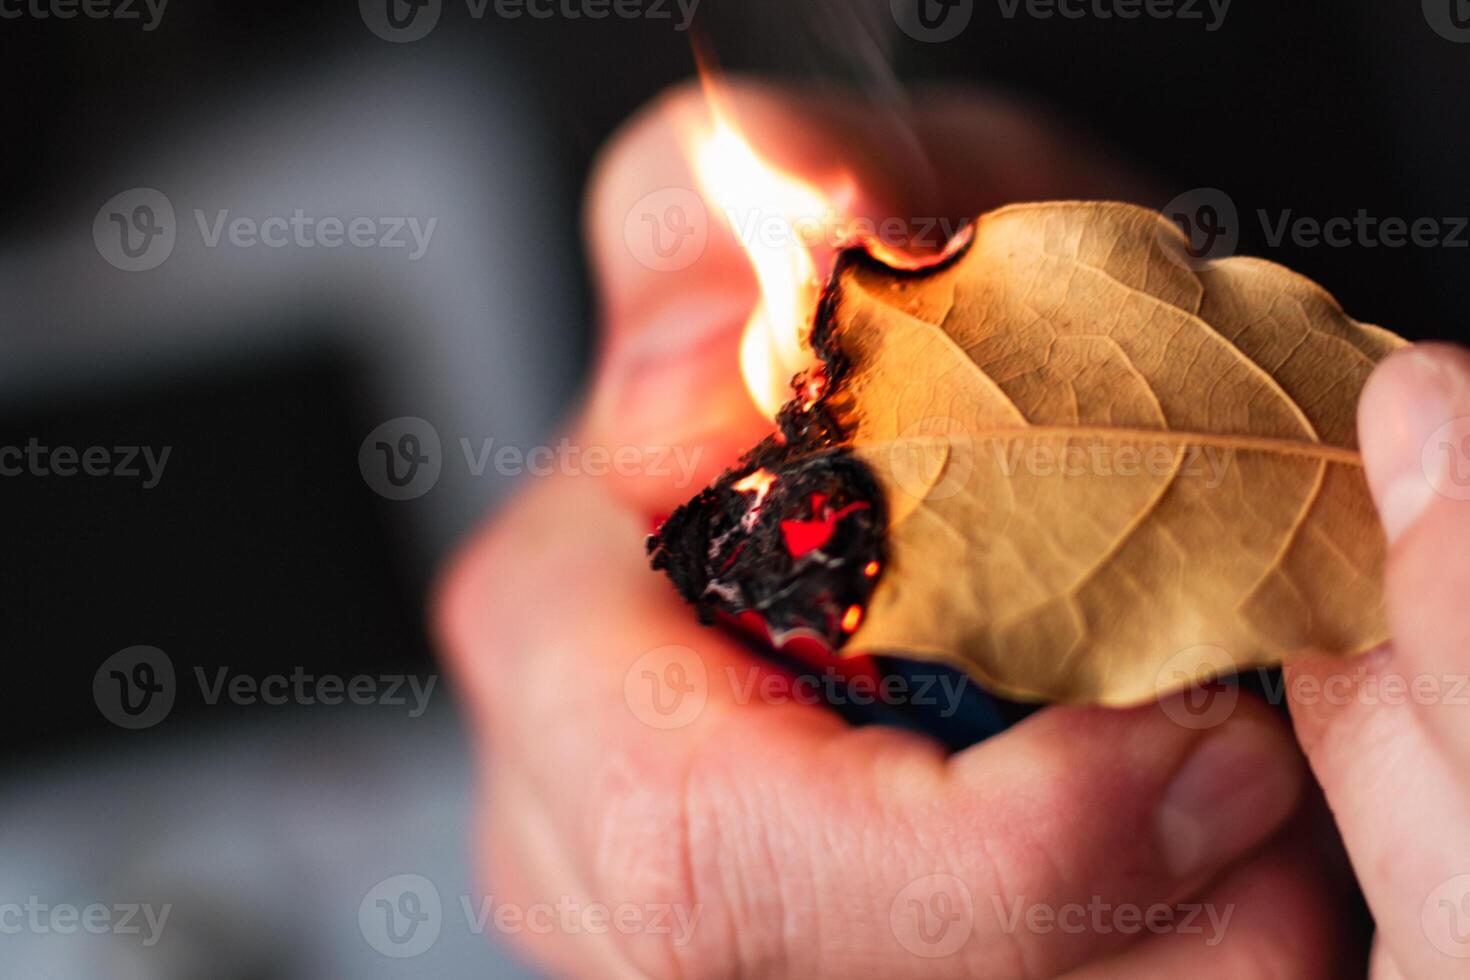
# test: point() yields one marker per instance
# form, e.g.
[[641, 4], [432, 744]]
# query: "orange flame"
[[765, 207], [790, 231]]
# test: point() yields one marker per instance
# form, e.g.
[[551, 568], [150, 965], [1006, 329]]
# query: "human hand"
[[1389, 735], [789, 843]]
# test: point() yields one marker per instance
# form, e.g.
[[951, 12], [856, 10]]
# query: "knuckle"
[[707, 845], [641, 857]]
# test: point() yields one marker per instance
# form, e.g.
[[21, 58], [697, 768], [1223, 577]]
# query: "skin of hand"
[[1388, 735], [787, 843]]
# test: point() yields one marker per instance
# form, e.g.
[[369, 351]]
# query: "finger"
[[810, 848], [1288, 911], [1415, 432], [676, 287], [528, 871], [1398, 801], [1386, 735]]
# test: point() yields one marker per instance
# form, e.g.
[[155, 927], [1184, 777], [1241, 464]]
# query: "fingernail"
[[1233, 791], [1411, 398]]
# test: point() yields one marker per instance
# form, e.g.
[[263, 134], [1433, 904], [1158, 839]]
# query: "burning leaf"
[[1102, 474], [1097, 460]]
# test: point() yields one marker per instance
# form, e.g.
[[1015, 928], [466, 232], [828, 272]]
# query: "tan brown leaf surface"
[[1109, 474]]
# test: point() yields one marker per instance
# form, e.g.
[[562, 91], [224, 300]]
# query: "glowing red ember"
[[804, 537]]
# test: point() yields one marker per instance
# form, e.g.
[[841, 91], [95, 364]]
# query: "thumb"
[[1414, 424], [670, 399], [1388, 736]]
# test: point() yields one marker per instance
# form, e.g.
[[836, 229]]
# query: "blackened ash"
[[806, 553], [794, 533]]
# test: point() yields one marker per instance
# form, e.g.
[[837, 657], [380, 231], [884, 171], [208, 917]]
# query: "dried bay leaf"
[[1104, 467]]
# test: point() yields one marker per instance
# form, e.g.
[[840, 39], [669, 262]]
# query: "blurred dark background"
[[262, 548]]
